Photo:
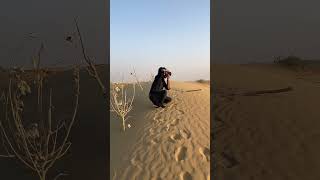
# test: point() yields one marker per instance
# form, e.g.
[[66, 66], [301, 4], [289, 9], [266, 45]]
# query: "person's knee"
[[153, 99]]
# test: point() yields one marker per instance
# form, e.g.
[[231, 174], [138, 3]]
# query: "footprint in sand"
[[174, 122], [151, 131], [158, 119], [205, 153], [181, 112], [154, 142], [175, 137], [136, 163], [181, 153], [185, 134], [168, 127], [185, 176]]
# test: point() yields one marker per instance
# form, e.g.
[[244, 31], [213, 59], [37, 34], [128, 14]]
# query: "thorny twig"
[[91, 68], [134, 74]]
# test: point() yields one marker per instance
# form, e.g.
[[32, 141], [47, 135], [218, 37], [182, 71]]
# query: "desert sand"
[[265, 136], [164, 143]]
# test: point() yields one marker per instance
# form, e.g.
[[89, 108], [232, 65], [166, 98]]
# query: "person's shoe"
[[162, 105]]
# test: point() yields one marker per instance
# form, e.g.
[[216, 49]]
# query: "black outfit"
[[158, 91]]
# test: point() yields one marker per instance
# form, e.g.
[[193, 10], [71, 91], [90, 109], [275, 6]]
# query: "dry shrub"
[[91, 66], [290, 61], [120, 102], [40, 144]]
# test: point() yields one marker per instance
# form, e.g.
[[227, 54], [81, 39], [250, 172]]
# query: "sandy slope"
[[270, 136], [171, 143]]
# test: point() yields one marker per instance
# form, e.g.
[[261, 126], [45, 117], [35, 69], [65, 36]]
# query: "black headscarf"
[[160, 71], [159, 82]]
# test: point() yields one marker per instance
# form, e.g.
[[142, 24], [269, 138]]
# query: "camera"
[[167, 73]]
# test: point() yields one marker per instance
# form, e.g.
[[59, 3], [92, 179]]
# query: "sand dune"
[[170, 143], [266, 136]]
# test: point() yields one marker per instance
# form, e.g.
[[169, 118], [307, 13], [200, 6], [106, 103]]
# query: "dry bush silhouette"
[[91, 66], [120, 102], [290, 61], [40, 144]]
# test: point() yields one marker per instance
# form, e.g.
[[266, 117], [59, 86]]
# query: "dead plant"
[[91, 67], [120, 103], [40, 144]]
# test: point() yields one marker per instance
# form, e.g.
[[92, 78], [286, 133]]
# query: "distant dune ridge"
[[266, 135], [170, 143]]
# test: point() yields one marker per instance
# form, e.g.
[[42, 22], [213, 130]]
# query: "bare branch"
[[26, 143], [134, 74], [90, 63], [120, 103], [59, 175]]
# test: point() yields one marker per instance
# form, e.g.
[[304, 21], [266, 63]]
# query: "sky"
[[147, 34], [51, 21], [253, 31]]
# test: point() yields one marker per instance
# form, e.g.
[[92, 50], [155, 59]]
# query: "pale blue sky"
[[146, 34]]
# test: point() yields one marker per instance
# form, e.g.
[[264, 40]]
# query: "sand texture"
[[171, 143], [265, 135]]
